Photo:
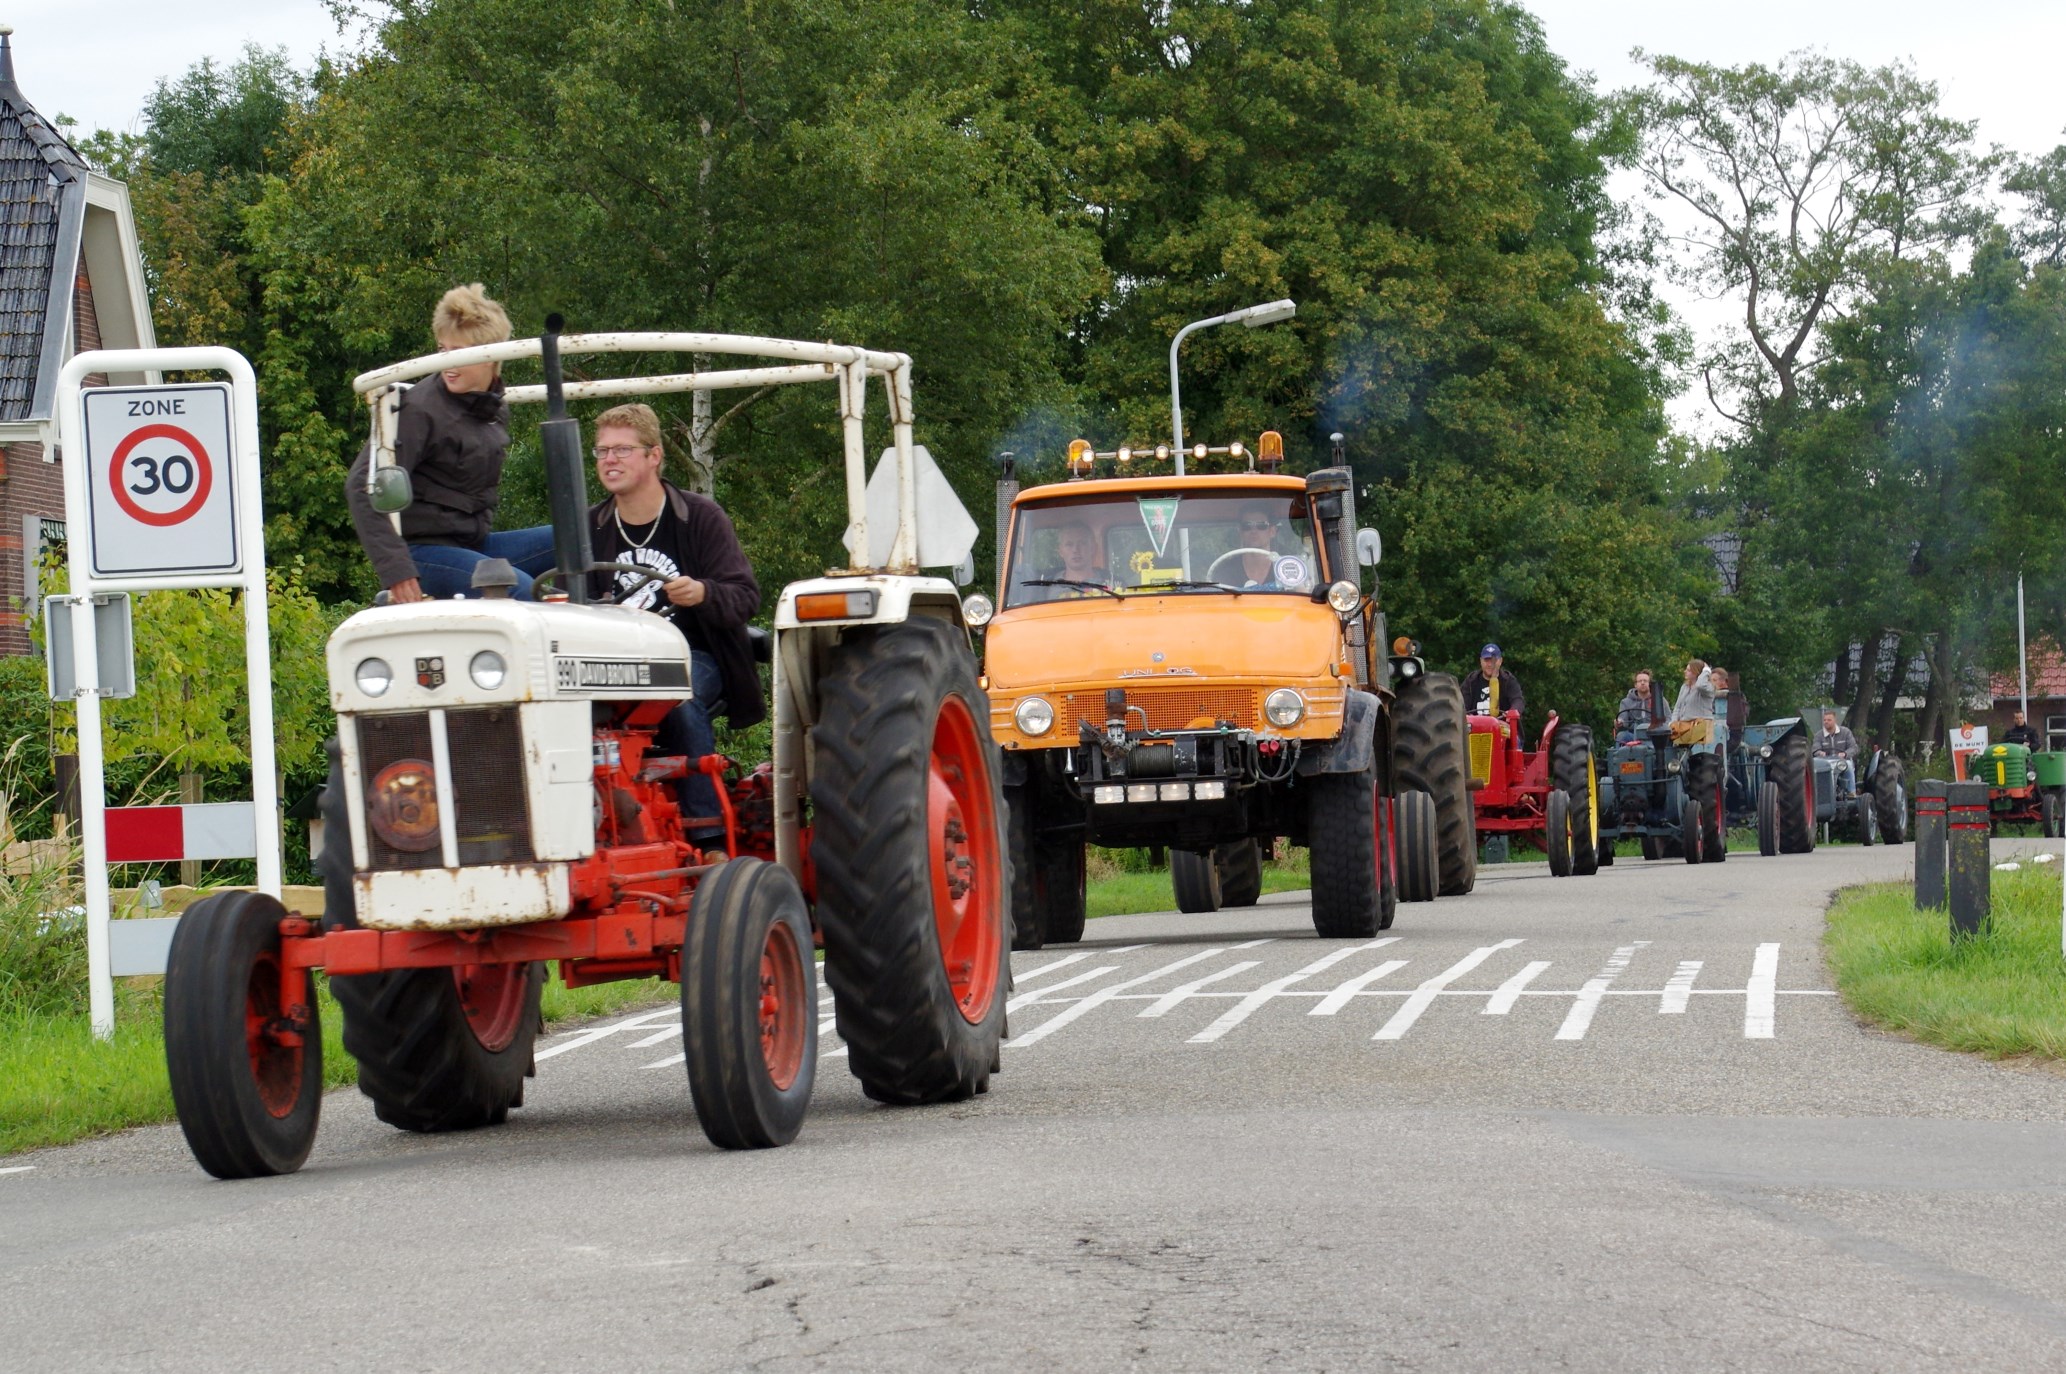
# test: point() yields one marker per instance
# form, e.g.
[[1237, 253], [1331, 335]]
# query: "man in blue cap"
[[1478, 698]]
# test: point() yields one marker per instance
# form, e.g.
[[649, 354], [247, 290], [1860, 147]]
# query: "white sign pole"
[[237, 562]]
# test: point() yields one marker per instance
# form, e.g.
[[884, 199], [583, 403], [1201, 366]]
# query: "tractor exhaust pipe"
[[566, 476]]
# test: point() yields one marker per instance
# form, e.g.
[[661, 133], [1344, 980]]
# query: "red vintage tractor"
[[497, 803], [1550, 797]]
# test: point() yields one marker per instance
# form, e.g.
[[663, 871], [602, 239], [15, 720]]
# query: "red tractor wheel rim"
[[782, 1006], [275, 1067], [961, 832], [494, 998]]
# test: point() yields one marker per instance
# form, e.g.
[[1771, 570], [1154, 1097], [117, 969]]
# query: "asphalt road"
[[1603, 1124]]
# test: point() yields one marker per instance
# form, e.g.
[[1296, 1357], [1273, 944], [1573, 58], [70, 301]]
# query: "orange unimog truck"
[[1191, 661]]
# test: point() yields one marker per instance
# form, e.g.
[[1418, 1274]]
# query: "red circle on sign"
[[204, 474]]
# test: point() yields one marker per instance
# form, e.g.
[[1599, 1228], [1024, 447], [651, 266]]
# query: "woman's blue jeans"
[[446, 570]]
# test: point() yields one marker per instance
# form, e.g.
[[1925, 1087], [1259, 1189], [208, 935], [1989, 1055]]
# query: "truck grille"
[[1168, 708], [485, 745]]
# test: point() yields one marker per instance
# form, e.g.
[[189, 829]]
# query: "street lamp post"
[[1255, 317]]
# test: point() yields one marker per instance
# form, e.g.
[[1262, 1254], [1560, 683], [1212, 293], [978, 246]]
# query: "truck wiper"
[[1069, 582], [1209, 586]]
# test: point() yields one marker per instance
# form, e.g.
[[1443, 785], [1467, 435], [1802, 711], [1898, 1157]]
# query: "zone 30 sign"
[[162, 472]]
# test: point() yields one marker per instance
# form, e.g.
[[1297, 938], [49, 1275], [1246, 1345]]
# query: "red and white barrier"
[[161, 834]]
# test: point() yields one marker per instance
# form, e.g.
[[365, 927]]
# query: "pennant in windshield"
[[1158, 513]]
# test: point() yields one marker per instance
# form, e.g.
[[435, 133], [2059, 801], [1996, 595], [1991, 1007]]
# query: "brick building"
[[71, 279], [2047, 697]]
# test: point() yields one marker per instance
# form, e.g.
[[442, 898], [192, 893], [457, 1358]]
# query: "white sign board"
[[161, 469], [1968, 739], [946, 531]]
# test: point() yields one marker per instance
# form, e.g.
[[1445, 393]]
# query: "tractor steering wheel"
[[1210, 573], [644, 575]]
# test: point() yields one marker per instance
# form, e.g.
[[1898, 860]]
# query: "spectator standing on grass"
[[451, 437]]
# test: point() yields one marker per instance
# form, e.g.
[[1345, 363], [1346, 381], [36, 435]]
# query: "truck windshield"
[[1220, 544]]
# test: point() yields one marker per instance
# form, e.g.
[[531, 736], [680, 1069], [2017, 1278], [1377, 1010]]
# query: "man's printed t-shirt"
[[665, 553]]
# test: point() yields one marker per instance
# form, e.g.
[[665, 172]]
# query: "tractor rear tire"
[[247, 1096], [1707, 777], [913, 867], [438, 1049], [1351, 894], [1240, 865], [1795, 778], [749, 1006], [1058, 885], [1556, 832], [1890, 800], [1420, 855], [1689, 831], [1572, 771], [1196, 880], [1429, 755], [1768, 818]]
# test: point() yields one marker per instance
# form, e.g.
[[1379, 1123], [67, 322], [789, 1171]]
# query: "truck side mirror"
[[1370, 547], [965, 571], [391, 490]]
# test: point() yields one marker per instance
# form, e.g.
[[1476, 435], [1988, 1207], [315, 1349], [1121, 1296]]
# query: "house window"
[[2055, 732]]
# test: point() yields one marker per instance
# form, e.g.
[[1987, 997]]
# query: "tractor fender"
[[1354, 749]]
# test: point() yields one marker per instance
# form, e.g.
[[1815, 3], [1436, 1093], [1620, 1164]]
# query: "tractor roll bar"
[[849, 366]]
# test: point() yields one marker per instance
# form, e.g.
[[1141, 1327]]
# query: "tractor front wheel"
[[913, 880], [749, 1006], [1689, 831], [1420, 855], [1574, 772], [245, 1055], [1196, 880], [1768, 818], [1890, 800], [1556, 833], [1795, 778], [1240, 865], [1353, 894], [1708, 778]]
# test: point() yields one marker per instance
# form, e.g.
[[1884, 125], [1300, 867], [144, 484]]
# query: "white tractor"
[[496, 804]]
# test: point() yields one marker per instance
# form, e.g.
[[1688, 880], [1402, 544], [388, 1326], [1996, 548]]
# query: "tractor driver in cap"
[[1478, 696]]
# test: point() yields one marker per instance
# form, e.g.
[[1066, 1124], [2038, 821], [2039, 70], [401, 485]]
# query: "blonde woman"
[[452, 436]]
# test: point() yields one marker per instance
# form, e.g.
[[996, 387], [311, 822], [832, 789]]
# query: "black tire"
[[1350, 888], [749, 1006], [893, 696], [1890, 800], [1768, 818], [1708, 778], [1028, 922], [1572, 769], [1606, 851], [1196, 880], [1556, 833], [1690, 831], [1240, 865], [247, 1111], [2054, 813], [1868, 822], [1795, 778], [1653, 848], [1420, 855], [1429, 755], [413, 1031], [1060, 887]]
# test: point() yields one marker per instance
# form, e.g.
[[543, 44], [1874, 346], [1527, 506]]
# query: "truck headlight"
[[373, 676], [402, 805], [1344, 598], [487, 670], [977, 609], [1284, 708], [1034, 716]]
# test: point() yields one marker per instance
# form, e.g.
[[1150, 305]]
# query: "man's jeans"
[[446, 570], [686, 731]]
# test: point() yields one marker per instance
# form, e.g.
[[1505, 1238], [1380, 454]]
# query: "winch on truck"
[[1190, 660]]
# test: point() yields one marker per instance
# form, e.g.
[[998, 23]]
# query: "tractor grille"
[[384, 740], [1481, 756], [1168, 708], [494, 821], [485, 745]]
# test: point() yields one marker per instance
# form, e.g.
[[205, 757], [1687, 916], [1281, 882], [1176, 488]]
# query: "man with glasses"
[[1257, 530], [705, 587]]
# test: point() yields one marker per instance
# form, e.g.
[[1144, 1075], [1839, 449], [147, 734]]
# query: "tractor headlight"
[[1034, 716], [977, 609], [402, 805], [1764, 751], [1284, 708], [373, 676], [487, 670], [1345, 598]]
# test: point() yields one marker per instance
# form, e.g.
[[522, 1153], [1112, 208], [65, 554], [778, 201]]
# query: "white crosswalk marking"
[[1424, 996], [1679, 991], [1103, 995], [1161, 1005], [1245, 1008], [1025, 999], [1580, 1017], [594, 1033], [1506, 994], [1760, 996], [1345, 993]]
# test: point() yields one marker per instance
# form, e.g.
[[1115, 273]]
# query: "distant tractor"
[[497, 804], [2024, 786], [1549, 798], [1793, 791], [1670, 795]]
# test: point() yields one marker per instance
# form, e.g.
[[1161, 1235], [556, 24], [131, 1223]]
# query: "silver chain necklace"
[[625, 534]]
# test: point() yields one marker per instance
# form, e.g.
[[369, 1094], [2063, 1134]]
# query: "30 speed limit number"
[[162, 473]]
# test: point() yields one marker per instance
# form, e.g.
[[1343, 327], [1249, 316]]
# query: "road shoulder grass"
[[2001, 994]]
